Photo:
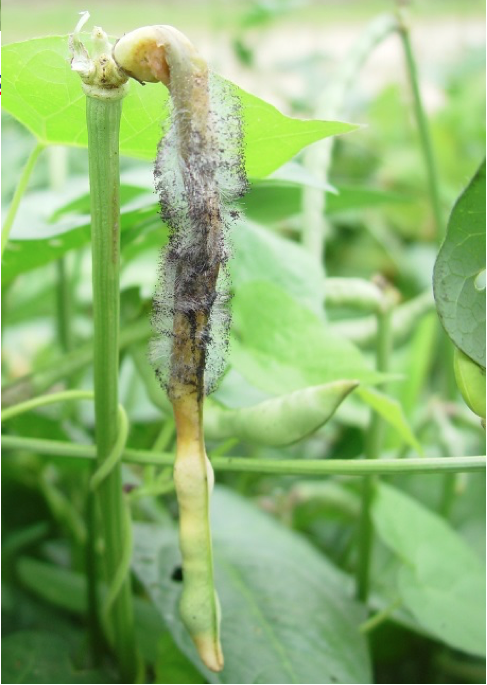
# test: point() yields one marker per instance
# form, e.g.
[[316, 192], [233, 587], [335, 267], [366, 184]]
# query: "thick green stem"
[[423, 129], [103, 118], [373, 447], [19, 192], [283, 467]]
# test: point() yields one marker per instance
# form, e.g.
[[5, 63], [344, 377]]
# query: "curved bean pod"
[[279, 421]]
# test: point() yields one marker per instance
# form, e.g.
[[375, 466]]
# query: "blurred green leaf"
[[392, 412], [460, 300], [280, 346], [442, 581], [273, 199], [31, 657], [46, 96], [172, 666], [47, 226], [284, 605], [67, 590], [258, 251]]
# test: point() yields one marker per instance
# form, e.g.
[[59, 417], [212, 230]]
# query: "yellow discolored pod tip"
[[210, 652]]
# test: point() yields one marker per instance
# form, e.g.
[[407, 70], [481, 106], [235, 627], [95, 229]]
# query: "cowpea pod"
[[279, 421], [199, 171]]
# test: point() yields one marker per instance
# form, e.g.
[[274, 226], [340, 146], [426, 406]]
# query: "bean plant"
[[291, 494]]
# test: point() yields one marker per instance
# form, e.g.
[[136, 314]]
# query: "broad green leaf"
[[442, 581], [280, 346], [460, 298], [46, 96], [258, 251], [35, 657], [392, 412], [279, 421], [286, 612]]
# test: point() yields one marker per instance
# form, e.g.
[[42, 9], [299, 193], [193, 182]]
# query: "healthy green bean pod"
[[279, 421]]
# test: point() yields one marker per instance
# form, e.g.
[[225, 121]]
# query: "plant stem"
[[423, 128], [373, 447], [379, 618], [318, 157], [19, 192], [63, 302], [284, 467], [103, 118]]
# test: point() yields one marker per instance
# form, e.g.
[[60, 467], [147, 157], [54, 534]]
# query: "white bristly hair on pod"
[[199, 175]]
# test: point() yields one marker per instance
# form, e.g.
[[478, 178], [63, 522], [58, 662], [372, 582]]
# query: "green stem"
[[19, 192], [44, 400], [377, 619], [63, 306], [423, 128], [373, 448], [318, 158], [284, 467], [103, 119]]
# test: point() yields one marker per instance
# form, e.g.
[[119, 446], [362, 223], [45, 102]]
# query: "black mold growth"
[[196, 197]]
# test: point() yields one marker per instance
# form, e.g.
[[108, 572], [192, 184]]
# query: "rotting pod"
[[199, 173]]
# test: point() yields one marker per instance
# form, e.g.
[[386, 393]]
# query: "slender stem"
[[318, 158], [284, 467], [19, 192], [373, 447], [63, 306], [423, 128], [44, 400], [103, 118], [379, 618]]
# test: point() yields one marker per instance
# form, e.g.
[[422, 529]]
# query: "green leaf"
[[281, 346], [172, 666], [258, 251], [442, 582], [273, 199], [392, 412], [460, 299], [280, 421], [67, 590], [47, 227], [286, 612], [35, 657], [46, 96]]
